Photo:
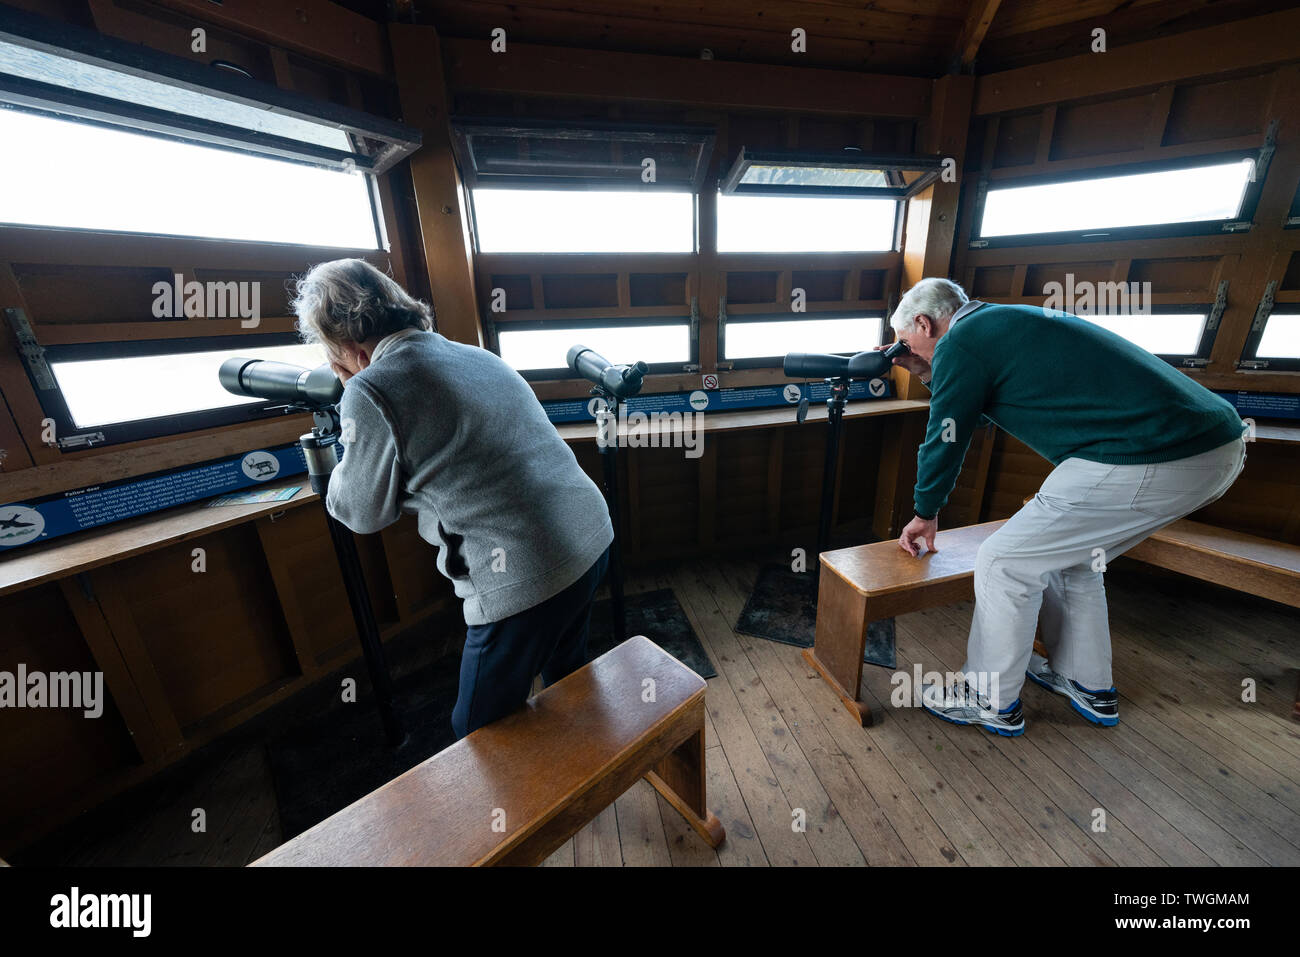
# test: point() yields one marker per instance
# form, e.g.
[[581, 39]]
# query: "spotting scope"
[[281, 382], [619, 381], [864, 365]]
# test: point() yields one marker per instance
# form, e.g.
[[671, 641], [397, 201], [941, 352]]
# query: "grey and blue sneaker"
[[1099, 707], [960, 704]]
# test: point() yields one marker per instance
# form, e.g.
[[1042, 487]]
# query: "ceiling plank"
[[1244, 44]]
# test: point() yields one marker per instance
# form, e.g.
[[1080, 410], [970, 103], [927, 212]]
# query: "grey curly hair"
[[934, 297], [349, 300]]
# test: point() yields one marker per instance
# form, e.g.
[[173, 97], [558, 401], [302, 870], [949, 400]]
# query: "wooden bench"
[[514, 791], [865, 583], [868, 582], [1257, 566]]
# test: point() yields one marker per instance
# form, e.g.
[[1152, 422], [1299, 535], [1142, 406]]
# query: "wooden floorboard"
[[853, 800], [1192, 775]]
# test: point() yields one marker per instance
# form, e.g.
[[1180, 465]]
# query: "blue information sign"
[[38, 520]]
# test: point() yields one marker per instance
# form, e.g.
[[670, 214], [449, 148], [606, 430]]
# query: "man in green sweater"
[[1135, 444]]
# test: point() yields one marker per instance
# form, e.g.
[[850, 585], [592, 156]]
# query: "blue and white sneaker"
[[960, 704], [1099, 707]]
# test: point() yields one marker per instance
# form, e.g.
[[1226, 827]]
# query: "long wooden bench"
[[1258, 566], [514, 791], [869, 582]]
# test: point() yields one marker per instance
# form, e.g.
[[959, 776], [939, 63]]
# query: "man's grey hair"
[[349, 300], [933, 297]]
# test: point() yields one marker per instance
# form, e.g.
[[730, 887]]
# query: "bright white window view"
[[102, 392], [532, 349], [1164, 334], [76, 175], [805, 224], [584, 221], [1113, 202], [776, 337]]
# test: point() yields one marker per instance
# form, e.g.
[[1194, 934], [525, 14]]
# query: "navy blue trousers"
[[502, 657]]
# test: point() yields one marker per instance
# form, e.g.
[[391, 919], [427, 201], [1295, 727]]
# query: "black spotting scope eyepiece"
[[311, 389], [621, 382], [865, 365]]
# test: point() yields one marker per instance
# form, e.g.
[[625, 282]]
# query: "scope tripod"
[[879, 632], [607, 442], [320, 448], [839, 395]]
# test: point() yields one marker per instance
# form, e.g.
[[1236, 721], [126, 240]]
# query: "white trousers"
[[1045, 564]]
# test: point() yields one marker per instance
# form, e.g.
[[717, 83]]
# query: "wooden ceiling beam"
[[531, 70], [978, 20], [316, 28], [1257, 42]]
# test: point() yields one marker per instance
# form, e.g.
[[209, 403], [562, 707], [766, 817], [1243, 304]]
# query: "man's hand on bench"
[[919, 530]]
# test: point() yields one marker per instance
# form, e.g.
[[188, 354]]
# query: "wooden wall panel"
[[309, 585], [417, 584], [48, 754], [13, 452], [1218, 109], [741, 494], [855, 503], [215, 638]]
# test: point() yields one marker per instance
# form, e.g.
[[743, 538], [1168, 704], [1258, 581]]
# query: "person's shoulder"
[[992, 319]]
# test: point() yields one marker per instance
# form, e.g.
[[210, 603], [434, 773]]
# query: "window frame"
[[1212, 227], [1249, 359], [775, 362], [577, 325], [56, 408]]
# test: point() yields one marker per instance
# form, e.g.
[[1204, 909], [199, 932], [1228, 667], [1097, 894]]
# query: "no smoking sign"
[[710, 382]]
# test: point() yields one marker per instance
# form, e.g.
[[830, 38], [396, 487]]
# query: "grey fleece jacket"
[[454, 435]]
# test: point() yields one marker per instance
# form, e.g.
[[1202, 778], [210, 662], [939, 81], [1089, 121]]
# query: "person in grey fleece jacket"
[[455, 436]]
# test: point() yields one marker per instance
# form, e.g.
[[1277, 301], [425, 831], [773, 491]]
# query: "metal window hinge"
[[1291, 221], [1236, 226], [1220, 303], [86, 439], [978, 244], [1196, 363], [1265, 307], [1265, 152], [1252, 364], [32, 352]]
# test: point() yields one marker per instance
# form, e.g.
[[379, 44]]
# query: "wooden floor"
[[1192, 775]]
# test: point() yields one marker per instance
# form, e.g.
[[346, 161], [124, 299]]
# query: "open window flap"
[[60, 69]]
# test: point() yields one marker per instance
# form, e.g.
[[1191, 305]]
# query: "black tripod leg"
[[618, 617], [364, 616], [835, 419]]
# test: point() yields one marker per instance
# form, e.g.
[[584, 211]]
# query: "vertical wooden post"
[[439, 196]]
